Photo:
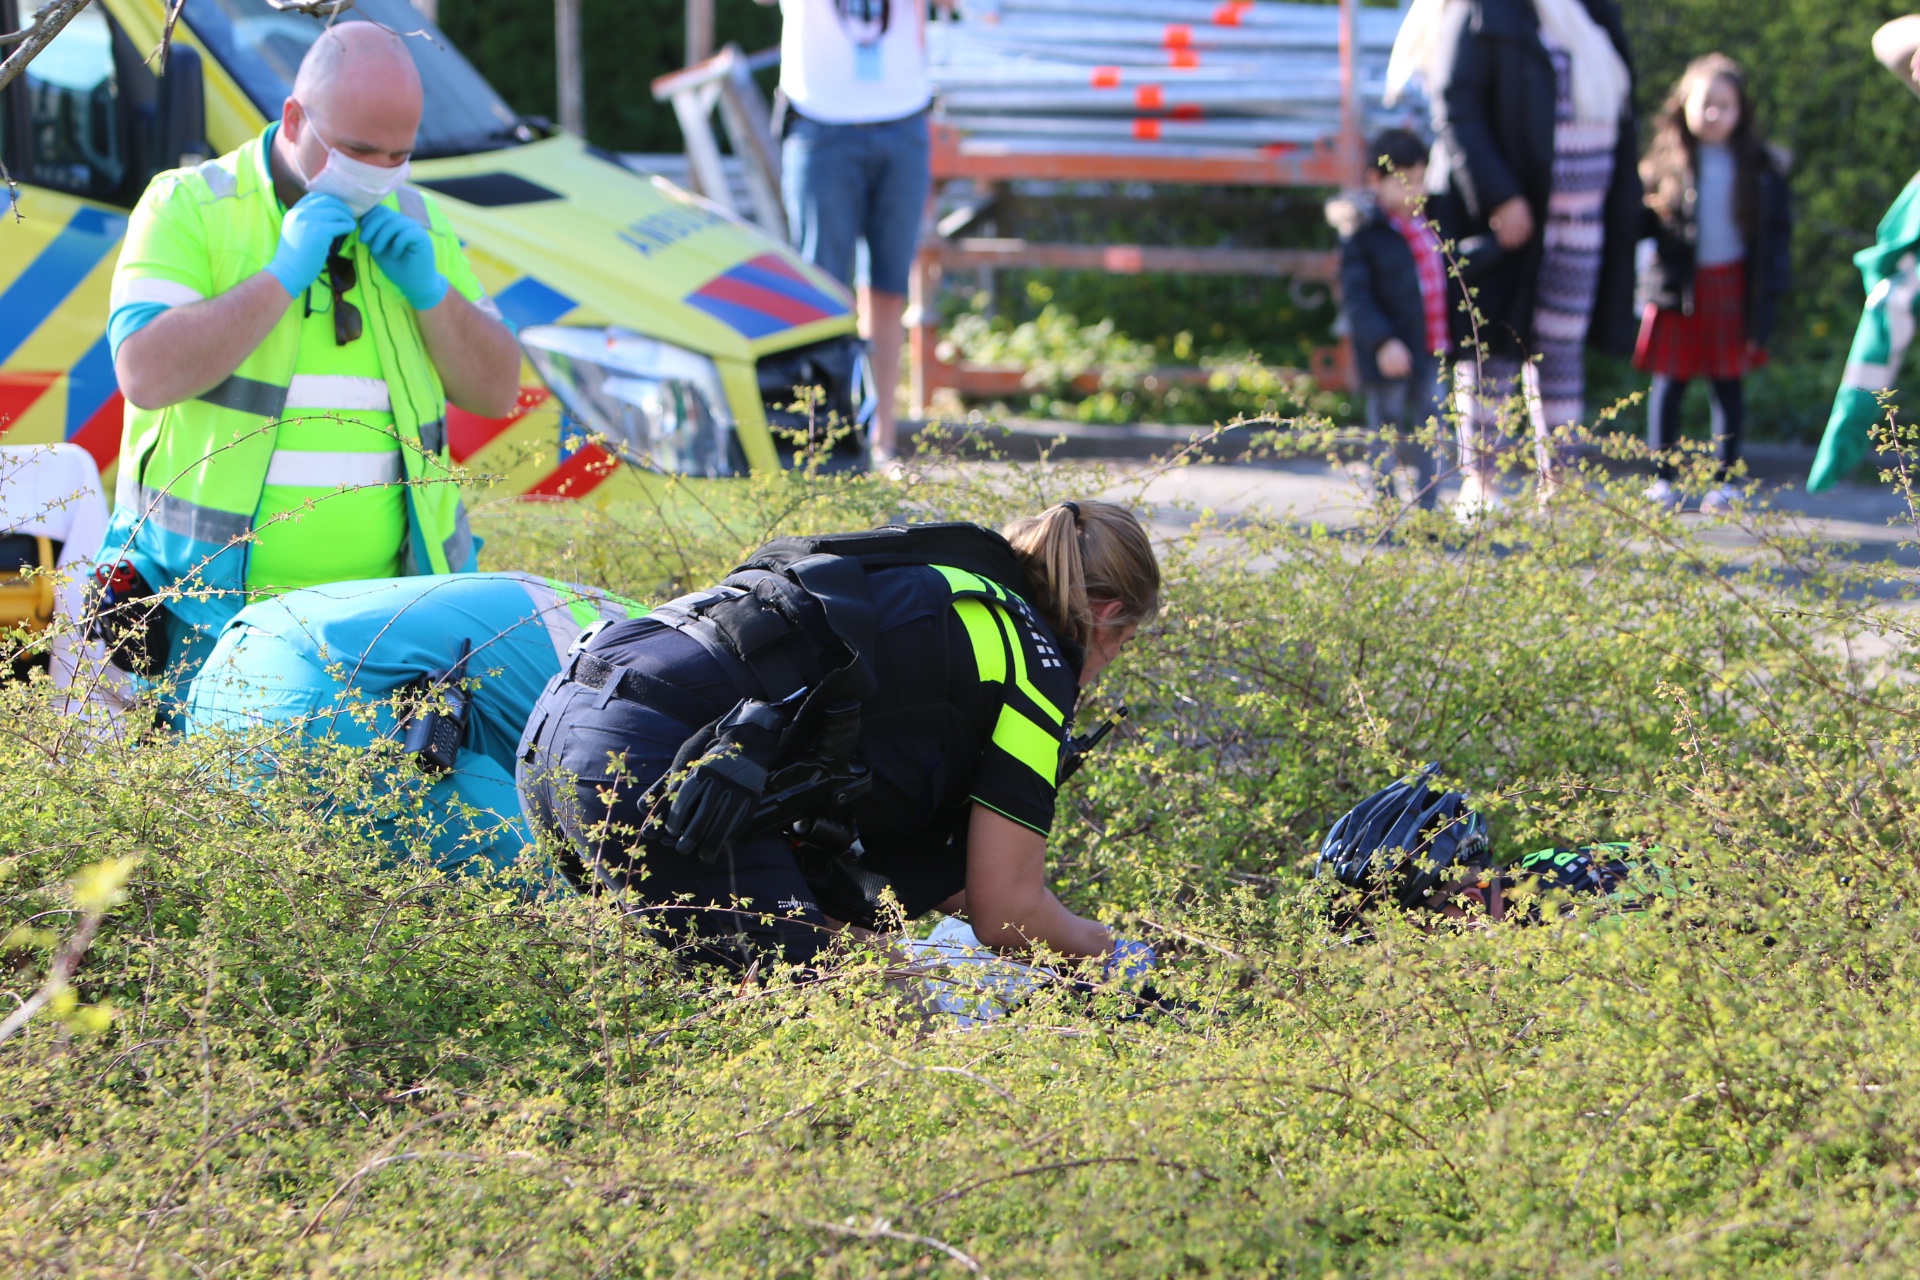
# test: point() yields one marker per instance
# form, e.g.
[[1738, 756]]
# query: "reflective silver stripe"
[[554, 615], [1900, 325], [245, 395], [338, 391], [489, 308], [459, 544], [1865, 375], [189, 520], [218, 180], [611, 610], [556, 608], [314, 469], [433, 436], [414, 205], [151, 289]]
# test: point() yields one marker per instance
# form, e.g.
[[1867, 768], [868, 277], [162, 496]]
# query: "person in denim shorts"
[[855, 165]]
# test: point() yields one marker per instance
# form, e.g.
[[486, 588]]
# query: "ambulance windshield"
[[261, 47]]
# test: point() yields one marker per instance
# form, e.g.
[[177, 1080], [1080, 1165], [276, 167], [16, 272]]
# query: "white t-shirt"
[[838, 66]]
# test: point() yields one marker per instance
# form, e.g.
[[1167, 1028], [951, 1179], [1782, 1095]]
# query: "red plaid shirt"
[[1433, 276]]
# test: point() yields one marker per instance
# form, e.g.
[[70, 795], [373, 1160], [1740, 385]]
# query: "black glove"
[[723, 788]]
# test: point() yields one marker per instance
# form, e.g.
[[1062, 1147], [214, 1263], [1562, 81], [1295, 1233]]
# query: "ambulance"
[[661, 335]]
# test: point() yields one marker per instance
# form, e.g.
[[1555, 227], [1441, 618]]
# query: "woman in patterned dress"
[[1533, 176]]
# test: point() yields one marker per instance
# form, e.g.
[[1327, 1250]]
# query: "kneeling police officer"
[[846, 719]]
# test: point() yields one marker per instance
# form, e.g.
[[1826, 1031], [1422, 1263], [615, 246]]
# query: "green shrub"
[[284, 1054]]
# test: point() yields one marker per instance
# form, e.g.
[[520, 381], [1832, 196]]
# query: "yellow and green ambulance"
[[660, 333]]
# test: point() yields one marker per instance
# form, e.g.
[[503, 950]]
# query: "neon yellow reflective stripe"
[[1028, 743], [1020, 672], [989, 652], [960, 580]]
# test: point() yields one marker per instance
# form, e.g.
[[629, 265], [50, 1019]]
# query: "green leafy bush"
[[1059, 357], [283, 1053]]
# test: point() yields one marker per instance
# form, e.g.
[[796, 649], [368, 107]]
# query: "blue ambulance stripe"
[[781, 283], [36, 292], [528, 301], [89, 383], [754, 324]]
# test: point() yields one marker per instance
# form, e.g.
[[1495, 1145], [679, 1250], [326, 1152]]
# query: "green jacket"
[[1891, 272]]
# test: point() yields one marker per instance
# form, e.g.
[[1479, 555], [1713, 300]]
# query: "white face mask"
[[359, 184]]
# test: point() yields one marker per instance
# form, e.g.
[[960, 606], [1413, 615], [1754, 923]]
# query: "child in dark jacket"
[[1719, 216], [1394, 289]]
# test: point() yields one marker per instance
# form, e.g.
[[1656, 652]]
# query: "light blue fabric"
[[256, 679], [324, 663], [376, 636], [130, 318]]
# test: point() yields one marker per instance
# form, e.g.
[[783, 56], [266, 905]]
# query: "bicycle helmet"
[[1415, 831]]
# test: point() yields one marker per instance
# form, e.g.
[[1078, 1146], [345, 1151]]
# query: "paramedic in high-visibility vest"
[[289, 324]]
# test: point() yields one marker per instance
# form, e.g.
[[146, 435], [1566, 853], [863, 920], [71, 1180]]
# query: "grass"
[[285, 1053]]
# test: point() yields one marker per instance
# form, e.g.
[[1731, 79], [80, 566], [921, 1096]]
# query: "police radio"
[[438, 726]]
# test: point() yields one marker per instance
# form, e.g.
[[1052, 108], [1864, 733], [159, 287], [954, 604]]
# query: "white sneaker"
[[1478, 499], [1663, 493], [1720, 501]]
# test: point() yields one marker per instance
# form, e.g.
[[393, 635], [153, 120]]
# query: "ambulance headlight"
[[652, 404]]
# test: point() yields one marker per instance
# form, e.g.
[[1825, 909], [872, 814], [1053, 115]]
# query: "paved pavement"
[[1860, 522], [1865, 523]]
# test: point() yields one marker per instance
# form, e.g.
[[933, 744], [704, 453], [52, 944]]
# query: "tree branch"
[[58, 975], [47, 24]]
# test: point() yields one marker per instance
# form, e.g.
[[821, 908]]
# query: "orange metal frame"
[[1335, 162]]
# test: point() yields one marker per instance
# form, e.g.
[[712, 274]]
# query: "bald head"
[[355, 56], [357, 92]]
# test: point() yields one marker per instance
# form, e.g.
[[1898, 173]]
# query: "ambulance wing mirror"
[[183, 109]]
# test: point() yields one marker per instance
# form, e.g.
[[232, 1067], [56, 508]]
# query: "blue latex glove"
[[1131, 959], [307, 234], [403, 251]]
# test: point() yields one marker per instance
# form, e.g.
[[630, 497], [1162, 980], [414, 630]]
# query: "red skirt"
[[1710, 343]]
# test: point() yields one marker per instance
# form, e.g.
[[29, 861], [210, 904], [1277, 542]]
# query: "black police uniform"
[[974, 697]]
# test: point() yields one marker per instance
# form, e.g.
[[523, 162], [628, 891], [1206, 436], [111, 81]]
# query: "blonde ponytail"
[[1077, 553]]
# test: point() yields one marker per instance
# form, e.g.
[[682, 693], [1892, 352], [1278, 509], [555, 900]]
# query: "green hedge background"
[[1854, 133], [626, 43]]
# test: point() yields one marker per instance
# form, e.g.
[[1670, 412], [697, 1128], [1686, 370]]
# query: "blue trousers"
[[850, 182]]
